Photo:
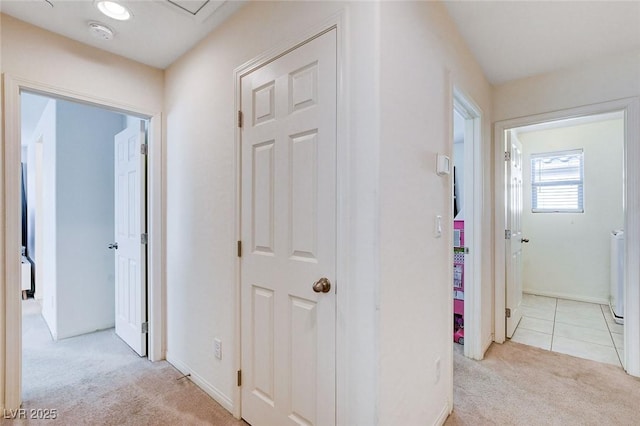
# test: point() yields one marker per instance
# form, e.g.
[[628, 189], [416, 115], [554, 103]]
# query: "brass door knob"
[[323, 285]]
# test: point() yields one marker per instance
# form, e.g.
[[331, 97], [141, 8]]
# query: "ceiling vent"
[[190, 6]]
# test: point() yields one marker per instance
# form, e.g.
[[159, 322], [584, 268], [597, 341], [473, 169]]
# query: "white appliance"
[[617, 276]]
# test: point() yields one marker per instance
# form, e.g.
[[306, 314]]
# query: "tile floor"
[[583, 330]]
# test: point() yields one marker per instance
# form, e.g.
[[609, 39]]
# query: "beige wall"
[[568, 253], [38, 55], [420, 46], [600, 80]]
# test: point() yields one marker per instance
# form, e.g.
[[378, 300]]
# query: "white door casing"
[[130, 223], [288, 231], [631, 108], [514, 225], [10, 324]]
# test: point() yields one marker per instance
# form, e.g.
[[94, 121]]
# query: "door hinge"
[[239, 249], [507, 312], [144, 149], [240, 119], [145, 327], [144, 238], [239, 379], [507, 234], [507, 156]]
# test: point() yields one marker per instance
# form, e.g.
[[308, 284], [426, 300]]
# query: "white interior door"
[[130, 224], [514, 225], [289, 237]]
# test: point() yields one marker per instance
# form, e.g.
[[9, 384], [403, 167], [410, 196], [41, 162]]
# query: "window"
[[557, 180]]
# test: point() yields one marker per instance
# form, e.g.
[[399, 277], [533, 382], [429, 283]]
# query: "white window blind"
[[557, 182]]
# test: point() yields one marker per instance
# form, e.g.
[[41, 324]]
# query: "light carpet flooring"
[[522, 385], [584, 330], [96, 379]]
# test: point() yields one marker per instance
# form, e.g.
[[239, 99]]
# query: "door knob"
[[113, 246], [524, 240], [322, 285]]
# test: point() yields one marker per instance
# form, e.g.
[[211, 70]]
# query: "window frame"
[[578, 182]]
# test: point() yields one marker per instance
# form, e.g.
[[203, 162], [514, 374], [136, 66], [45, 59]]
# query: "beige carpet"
[[96, 379], [522, 385]]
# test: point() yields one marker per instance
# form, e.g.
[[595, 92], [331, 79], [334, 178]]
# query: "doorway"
[[503, 133], [13, 89], [572, 203], [467, 196], [75, 204]]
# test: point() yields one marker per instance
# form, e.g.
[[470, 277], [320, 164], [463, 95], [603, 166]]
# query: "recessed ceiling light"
[[114, 10], [100, 30]]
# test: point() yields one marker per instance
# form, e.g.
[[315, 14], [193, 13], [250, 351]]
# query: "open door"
[[130, 238], [513, 237]]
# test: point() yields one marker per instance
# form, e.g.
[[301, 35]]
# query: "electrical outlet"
[[437, 370], [217, 348]]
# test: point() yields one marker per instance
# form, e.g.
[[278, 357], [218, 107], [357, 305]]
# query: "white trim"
[[10, 235], [444, 414], [557, 295], [473, 197], [210, 389], [337, 22], [632, 240], [631, 108]]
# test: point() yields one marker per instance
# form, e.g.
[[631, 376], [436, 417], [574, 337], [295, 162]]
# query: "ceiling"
[[509, 39], [158, 34], [517, 39]]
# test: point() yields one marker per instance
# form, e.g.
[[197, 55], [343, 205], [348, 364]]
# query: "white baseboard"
[[211, 390], [485, 346], [444, 414], [85, 330], [587, 299]]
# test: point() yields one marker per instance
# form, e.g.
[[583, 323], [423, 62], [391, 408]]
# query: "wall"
[[40, 56], [85, 217], [568, 255], [458, 162], [46, 254], [44, 57], [76, 269], [422, 56], [600, 80]]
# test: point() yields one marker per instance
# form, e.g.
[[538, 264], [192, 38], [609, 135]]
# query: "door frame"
[[631, 109], [335, 22], [473, 196], [11, 321]]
